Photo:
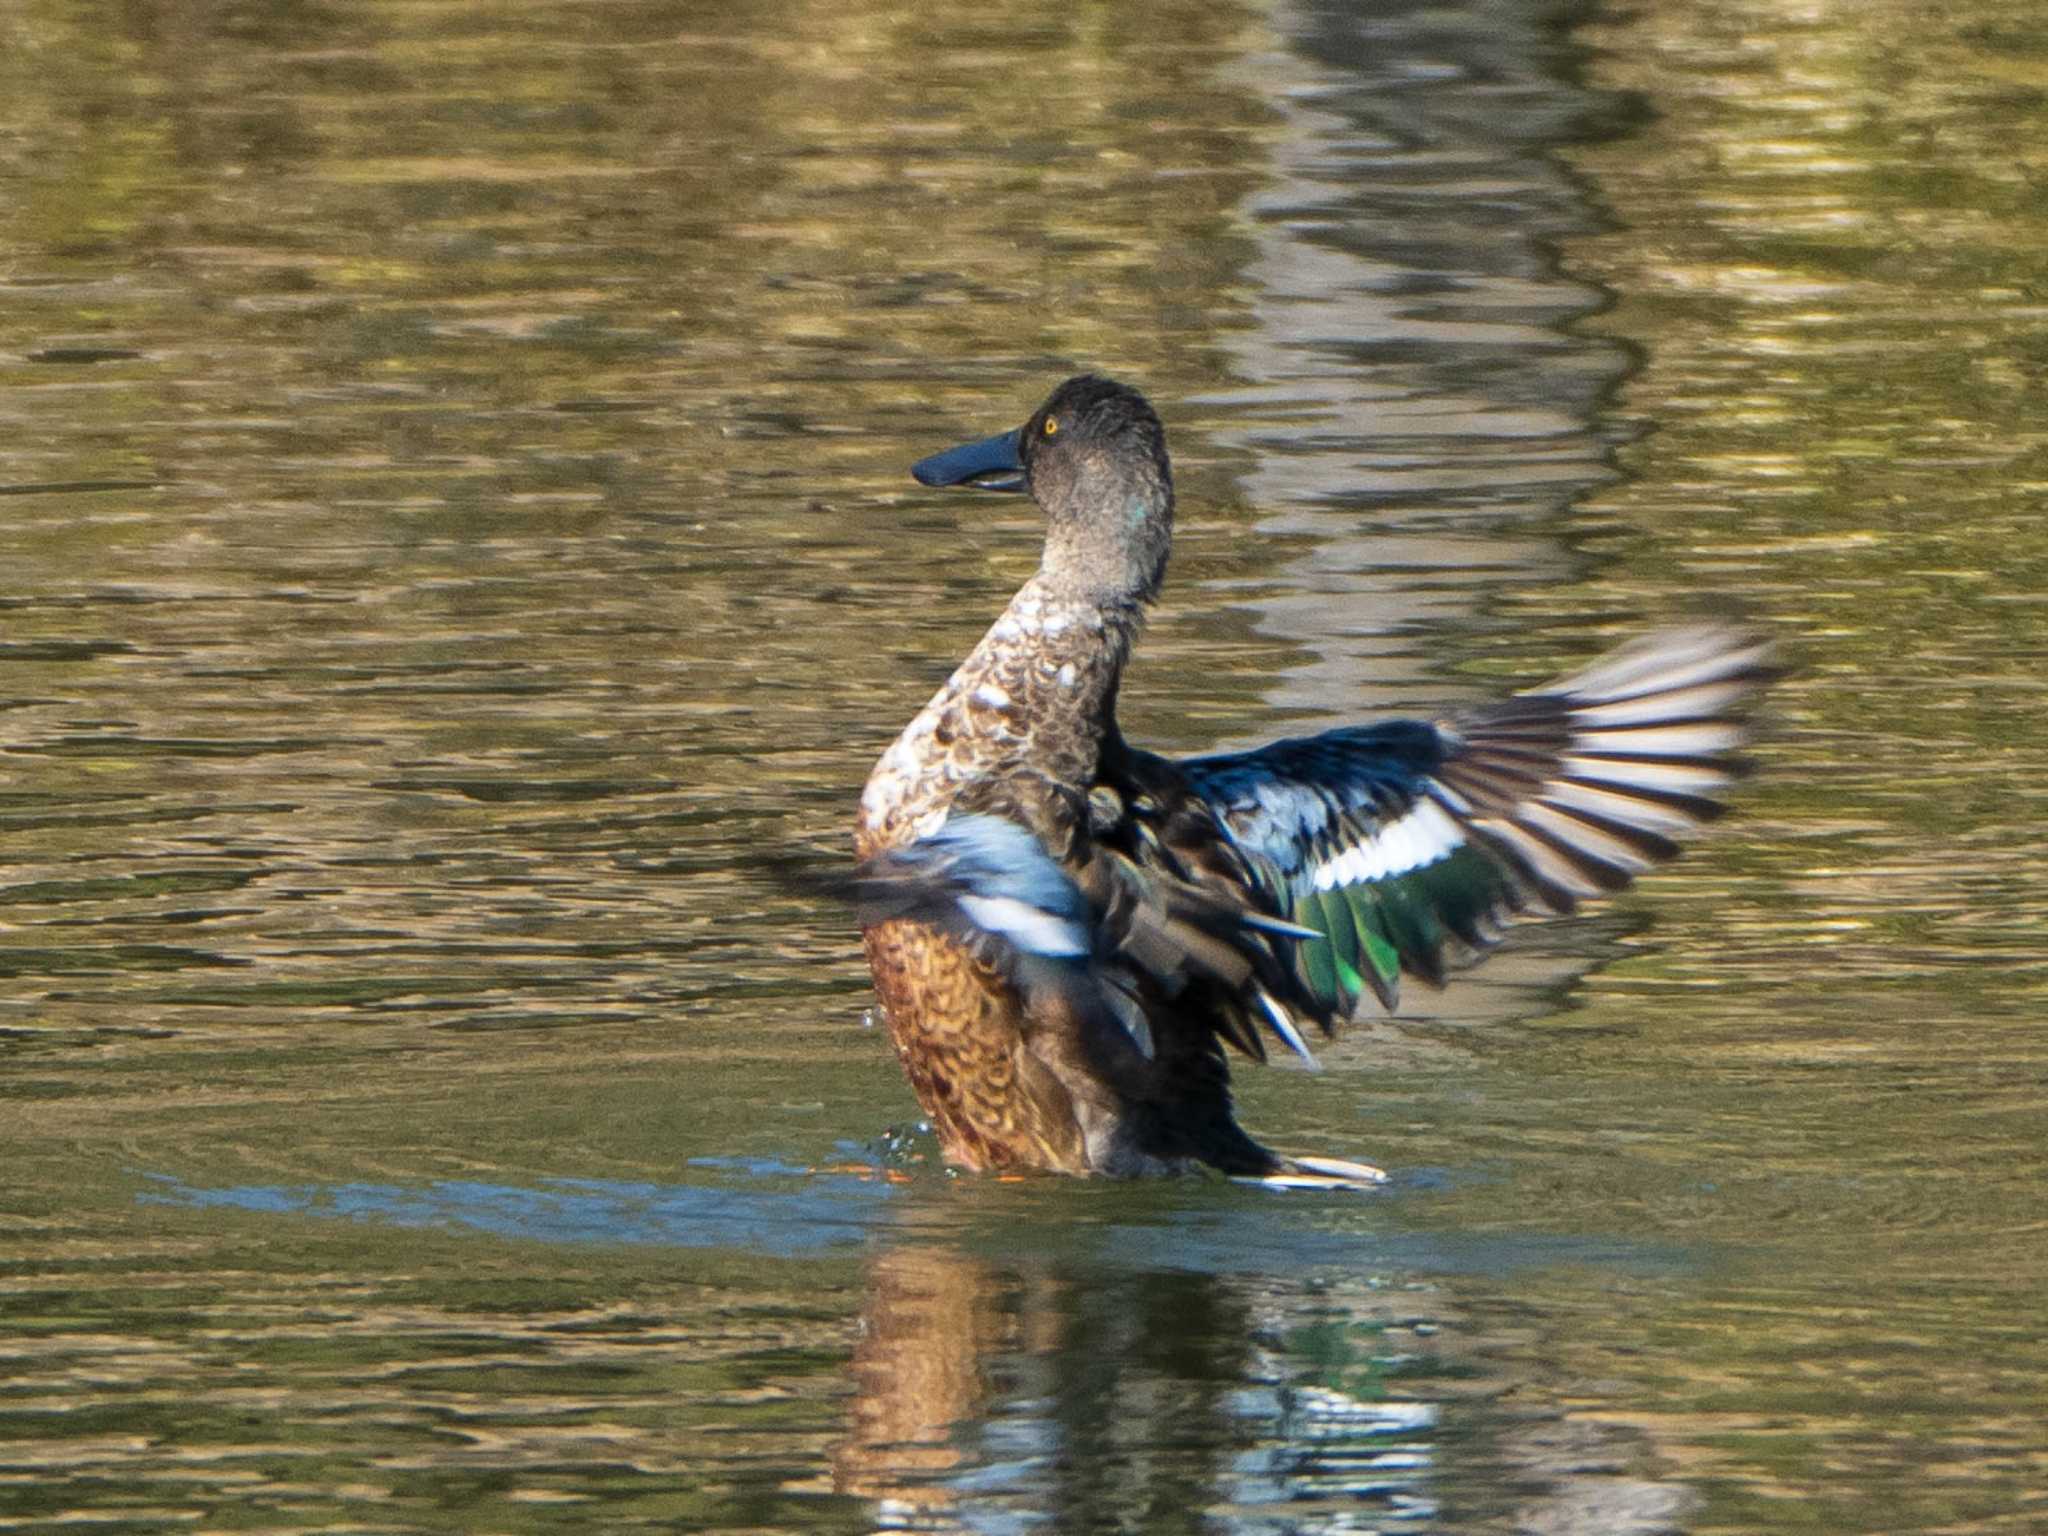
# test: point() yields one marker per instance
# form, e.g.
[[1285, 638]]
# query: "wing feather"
[[1409, 844]]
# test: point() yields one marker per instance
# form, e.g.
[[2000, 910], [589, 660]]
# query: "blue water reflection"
[[793, 1220], [781, 1212]]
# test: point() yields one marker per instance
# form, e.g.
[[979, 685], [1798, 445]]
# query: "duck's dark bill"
[[991, 464]]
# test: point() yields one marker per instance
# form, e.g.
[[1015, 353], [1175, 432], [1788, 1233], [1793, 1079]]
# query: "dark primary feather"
[[1409, 843], [1144, 809]]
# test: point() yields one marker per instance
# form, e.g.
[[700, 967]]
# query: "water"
[[456, 518]]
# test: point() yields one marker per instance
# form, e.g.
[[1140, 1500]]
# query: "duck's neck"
[[1037, 696], [1060, 658]]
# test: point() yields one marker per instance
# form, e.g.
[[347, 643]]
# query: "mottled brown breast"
[[1033, 702]]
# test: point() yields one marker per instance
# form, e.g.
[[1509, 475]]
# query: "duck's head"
[[1094, 459]]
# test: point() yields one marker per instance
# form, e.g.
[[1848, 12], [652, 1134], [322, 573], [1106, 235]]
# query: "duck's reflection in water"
[[1065, 1395], [930, 1316], [1059, 1355], [991, 1394]]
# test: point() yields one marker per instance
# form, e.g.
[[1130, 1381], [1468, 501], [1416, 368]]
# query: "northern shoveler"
[[1069, 934]]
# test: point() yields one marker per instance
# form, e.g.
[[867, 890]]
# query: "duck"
[[1073, 938]]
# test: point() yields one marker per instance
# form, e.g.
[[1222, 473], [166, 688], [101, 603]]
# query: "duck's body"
[[1067, 933], [1018, 723]]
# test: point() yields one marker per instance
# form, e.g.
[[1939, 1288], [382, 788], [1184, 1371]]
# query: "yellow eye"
[[1052, 425]]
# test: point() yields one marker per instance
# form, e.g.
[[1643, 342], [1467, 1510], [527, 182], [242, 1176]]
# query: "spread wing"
[[1409, 843]]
